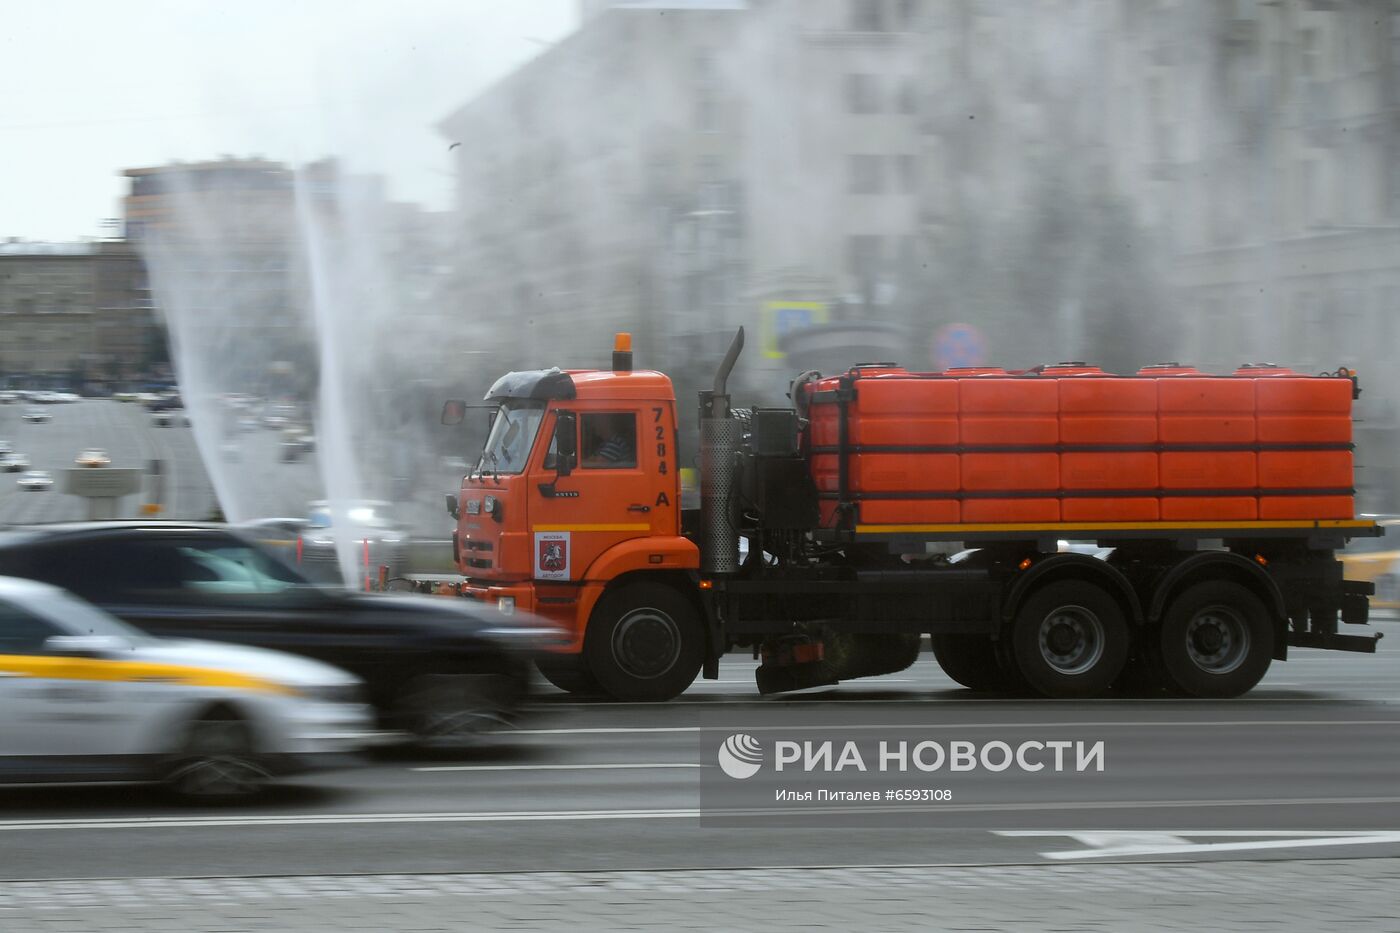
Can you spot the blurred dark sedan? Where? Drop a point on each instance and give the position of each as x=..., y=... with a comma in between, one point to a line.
x=441, y=669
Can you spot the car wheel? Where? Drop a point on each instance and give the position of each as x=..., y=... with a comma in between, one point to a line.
x=1070, y=640
x=217, y=760
x=1216, y=642
x=453, y=710
x=569, y=674
x=644, y=643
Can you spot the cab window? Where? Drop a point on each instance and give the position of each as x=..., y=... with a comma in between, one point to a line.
x=22, y=632
x=608, y=441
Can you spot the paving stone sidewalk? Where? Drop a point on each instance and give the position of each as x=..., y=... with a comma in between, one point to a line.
x=1336, y=894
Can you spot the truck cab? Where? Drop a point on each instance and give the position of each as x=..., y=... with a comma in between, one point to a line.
x=577, y=486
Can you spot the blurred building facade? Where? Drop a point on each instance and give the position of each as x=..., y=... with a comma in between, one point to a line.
x=1123, y=181
x=75, y=314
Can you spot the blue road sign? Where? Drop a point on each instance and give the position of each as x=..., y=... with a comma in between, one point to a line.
x=957, y=345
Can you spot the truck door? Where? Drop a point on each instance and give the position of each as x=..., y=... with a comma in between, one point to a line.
x=608, y=497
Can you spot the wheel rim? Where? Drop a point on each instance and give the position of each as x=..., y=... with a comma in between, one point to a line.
x=218, y=761
x=1071, y=640
x=458, y=709
x=1217, y=639
x=646, y=643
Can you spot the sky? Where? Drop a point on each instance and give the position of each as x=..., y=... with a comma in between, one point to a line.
x=91, y=87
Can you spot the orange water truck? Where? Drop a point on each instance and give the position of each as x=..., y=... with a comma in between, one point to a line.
x=1059, y=531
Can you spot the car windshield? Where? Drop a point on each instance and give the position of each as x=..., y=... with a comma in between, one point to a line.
x=512, y=436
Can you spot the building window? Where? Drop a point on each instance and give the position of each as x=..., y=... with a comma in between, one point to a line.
x=866, y=175
x=863, y=256
x=905, y=97
x=706, y=112
x=906, y=172
x=862, y=93
x=867, y=15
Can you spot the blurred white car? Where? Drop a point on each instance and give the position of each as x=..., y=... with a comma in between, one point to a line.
x=35, y=481
x=14, y=462
x=89, y=698
x=36, y=416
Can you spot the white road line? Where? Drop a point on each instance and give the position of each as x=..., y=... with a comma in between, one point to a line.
x=610, y=766
x=779, y=702
x=1102, y=843
x=1139, y=724
x=515, y=816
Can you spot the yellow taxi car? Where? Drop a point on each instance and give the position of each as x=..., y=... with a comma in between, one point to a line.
x=1377, y=560
x=86, y=697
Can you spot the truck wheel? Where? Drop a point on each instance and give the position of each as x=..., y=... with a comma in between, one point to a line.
x=644, y=642
x=971, y=660
x=568, y=674
x=1070, y=640
x=1217, y=641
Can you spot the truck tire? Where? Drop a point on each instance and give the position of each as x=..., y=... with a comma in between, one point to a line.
x=1070, y=640
x=568, y=673
x=971, y=660
x=644, y=643
x=1217, y=641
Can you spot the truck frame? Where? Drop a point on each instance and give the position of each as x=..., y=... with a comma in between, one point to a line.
x=654, y=593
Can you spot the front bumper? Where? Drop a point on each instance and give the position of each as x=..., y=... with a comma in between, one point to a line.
x=544, y=632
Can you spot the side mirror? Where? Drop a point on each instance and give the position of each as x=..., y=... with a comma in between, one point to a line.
x=452, y=505
x=565, y=441
x=453, y=411
x=85, y=646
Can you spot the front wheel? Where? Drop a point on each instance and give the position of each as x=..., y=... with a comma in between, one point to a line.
x=971, y=660
x=455, y=710
x=1070, y=640
x=217, y=760
x=1216, y=642
x=569, y=674
x=644, y=643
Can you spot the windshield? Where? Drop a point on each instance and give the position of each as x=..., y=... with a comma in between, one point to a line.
x=512, y=436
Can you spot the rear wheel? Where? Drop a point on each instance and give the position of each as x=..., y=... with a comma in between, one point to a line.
x=1217, y=641
x=644, y=642
x=217, y=760
x=971, y=660
x=1070, y=640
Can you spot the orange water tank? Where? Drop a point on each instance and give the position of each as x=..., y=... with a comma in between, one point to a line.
x=1017, y=415
x=1099, y=414
x=1207, y=430
x=1305, y=433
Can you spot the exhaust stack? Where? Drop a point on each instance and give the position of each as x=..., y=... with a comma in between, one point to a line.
x=720, y=435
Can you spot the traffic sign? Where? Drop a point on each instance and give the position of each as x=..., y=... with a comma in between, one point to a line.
x=958, y=345
x=781, y=318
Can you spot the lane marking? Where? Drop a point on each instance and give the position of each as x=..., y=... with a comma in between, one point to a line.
x=609, y=766
x=515, y=816
x=1185, y=723
x=1112, y=844
x=782, y=702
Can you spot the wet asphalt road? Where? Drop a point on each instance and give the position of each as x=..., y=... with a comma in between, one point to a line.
x=1304, y=767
